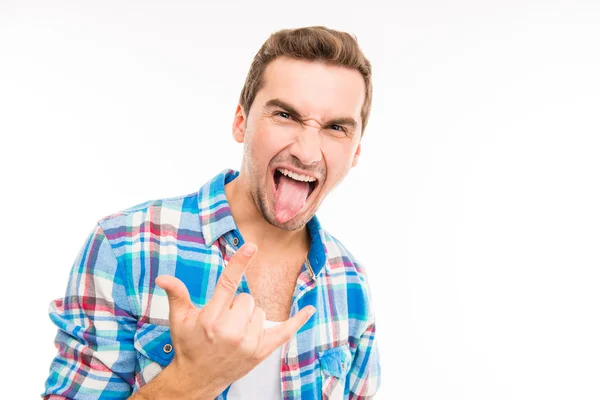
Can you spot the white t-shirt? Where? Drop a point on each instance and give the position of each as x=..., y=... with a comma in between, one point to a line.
x=263, y=382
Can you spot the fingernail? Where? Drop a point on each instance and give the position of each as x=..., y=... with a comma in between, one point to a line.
x=249, y=249
x=311, y=310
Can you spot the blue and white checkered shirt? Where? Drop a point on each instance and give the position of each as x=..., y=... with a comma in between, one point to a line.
x=113, y=334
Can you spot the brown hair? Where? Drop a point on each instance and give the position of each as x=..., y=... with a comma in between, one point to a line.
x=315, y=43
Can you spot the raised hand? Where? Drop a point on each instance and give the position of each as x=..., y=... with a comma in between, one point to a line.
x=223, y=341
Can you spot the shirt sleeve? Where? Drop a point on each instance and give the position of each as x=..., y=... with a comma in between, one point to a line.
x=96, y=357
x=365, y=373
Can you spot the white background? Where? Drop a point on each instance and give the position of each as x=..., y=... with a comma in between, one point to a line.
x=474, y=206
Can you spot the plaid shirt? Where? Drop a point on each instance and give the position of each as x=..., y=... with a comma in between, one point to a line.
x=113, y=335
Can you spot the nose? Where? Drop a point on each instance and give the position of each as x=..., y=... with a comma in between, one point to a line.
x=307, y=146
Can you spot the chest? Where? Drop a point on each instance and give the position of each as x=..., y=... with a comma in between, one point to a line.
x=272, y=284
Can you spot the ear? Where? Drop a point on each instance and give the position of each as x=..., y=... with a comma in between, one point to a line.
x=238, y=128
x=355, y=161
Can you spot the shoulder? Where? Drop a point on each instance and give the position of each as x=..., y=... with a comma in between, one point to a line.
x=340, y=258
x=159, y=216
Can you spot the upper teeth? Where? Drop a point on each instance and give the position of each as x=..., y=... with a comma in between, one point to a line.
x=298, y=177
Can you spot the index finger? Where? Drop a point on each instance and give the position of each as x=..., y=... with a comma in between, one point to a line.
x=230, y=279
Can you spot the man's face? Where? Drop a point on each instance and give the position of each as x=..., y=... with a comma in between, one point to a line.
x=306, y=120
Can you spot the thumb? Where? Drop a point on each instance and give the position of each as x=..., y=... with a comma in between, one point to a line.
x=178, y=295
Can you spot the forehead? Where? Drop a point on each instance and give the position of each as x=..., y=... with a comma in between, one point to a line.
x=317, y=89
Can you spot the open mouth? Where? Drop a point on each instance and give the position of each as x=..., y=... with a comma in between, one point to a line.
x=292, y=193
x=277, y=178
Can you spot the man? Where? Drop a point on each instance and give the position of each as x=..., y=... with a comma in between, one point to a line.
x=236, y=292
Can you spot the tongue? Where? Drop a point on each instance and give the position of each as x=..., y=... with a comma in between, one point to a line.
x=289, y=198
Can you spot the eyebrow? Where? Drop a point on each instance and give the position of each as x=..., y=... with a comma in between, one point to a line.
x=288, y=108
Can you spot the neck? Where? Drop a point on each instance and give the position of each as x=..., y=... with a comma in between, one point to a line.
x=254, y=227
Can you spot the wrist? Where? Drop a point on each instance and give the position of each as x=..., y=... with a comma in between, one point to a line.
x=188, y=383
x=175, y=382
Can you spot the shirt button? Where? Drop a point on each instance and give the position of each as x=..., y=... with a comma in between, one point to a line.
x=236, y=241
x=167, y=348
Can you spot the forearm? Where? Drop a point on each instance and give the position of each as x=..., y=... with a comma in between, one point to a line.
x=173, y=384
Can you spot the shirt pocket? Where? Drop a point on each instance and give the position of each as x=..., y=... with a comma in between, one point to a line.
x=154, y=349
x=335, y=364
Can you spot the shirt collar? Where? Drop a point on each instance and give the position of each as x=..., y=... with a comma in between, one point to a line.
x=216, y=219
x=213, y=208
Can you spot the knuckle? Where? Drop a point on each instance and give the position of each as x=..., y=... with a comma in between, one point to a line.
x=245, y=295
x=207, y=320
x=211, y=336
x=234, y=339
x=259, y=311
x=245, y=298
x=227, y=283
x=248, y=347
x=230, y=336
x=211, y=331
